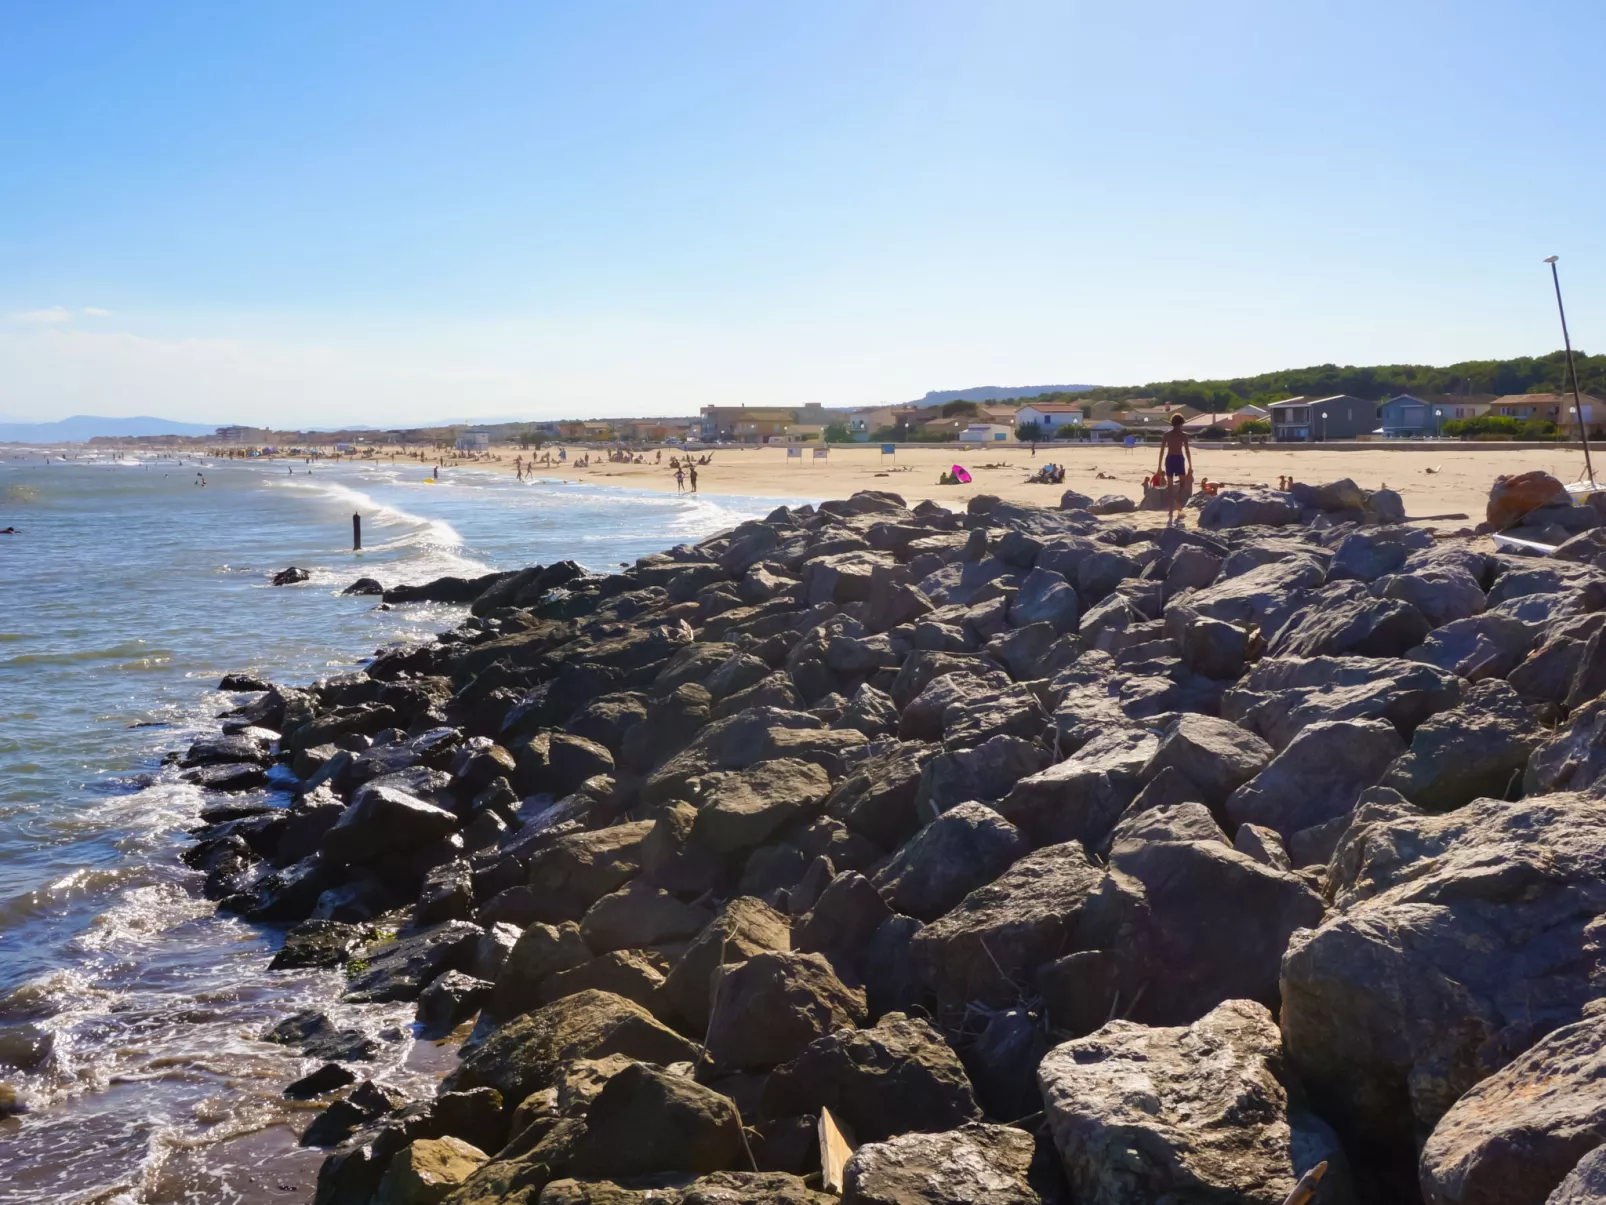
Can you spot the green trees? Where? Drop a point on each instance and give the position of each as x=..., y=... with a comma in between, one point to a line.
x=1500, y=427
x=1524, y=374
x=1029, y=433
x=837, y=433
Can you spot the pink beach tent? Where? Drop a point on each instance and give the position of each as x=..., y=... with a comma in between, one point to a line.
x=963, y=477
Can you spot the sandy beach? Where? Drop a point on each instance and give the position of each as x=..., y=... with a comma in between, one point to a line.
x=1458, y=484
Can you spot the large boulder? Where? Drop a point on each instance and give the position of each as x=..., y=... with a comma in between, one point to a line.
x=962, y=849
x=1585, y=1184
x=1489, y=645
x=524, y=1055
x=541, y=951
x=400, y=969
x=1187, y=1114
x=639, y=915
x=1512, y=497
x=1347, y=619
x=1080, y=798
x=1215, y=755
x=382, y=823
x=1280, y=696
x=898, y=1076
x=768, y=1009
x=1318, y=777
x=647, y=1120
x=740, y=810
x=1455, y=943
x=877, y=798
x=977, y=1164
x=745, y=927
x=988, y=948
x=577, y=869
x=1183, y=925
x=1574, y=759
x=1478, y=749
x=986, y=772
x=426, y=1171
x=1514, y=1137
x=1247, y=508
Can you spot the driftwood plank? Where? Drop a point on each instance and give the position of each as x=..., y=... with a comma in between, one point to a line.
x=836, y=1146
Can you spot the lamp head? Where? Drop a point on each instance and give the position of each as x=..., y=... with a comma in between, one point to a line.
x=1550, y=259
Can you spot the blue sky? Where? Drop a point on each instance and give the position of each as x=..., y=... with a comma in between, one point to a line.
x=392, y=212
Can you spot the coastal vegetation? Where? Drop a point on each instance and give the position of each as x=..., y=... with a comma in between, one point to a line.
x=1521, y=374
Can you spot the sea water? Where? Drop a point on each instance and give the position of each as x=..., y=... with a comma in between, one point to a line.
x=130, y=1012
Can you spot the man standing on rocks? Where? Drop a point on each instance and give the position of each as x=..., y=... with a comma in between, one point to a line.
x=1176, y=462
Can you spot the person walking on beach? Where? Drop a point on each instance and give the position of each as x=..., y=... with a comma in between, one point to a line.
x=680, y=480
x=694, y=479
x=1176, y=462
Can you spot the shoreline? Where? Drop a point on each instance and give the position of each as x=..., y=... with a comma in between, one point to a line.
x=704, y=823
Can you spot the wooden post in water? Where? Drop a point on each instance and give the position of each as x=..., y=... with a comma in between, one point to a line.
x=356, y=532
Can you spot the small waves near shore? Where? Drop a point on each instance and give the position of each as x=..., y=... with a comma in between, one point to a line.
x=130, y=1011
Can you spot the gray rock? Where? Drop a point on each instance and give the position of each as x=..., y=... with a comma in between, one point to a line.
x=1490, y=645
x=898, y=1076
x=1371, y=553
x=1318, y=777
x=449, y=999
x=525, y=1055
x=399, y=969
x=1196, y=1113
x=1168, y=822
x=1247, y=508
x=870, y=711
x=639, y=915
x=744, y=928
x=1216, y=755
x=1514, y=1137
x=768, y=1009
x=317, y=943
x=1188, y=924
x=978, y=1164
x=989, y=947
x=1345, y=619
x=633, y=974
x=986, y=772
x=1585, y=1184
x=540, y=951
x=575, y=870
x=741, y=810
x=384, y=822
x=317, y=1037
x=1214, y=648
x=1249, y=599
x=1443, y=594
x=967, y=846
x=1264, y=845
x=1046, y=597
x=1456, y=941
x=1280, y=696
x=877, y=798
x=1079, y=799
x=647, y=1120
x=1573, y=760
x=1478, y=749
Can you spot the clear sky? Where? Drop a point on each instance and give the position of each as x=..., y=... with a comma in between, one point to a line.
x=325, y=212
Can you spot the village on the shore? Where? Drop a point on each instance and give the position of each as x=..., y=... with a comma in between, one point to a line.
x=963, y=422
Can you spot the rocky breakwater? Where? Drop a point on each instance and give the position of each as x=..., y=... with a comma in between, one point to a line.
x=1052, y=858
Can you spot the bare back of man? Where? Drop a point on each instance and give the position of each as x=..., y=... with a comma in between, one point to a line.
x=1176, y=461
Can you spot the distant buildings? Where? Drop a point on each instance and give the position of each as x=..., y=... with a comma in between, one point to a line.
x=1317, y=420
x=1049, y=416
x=1554, y=407
x=474, y=441
x=243, y=435
x=988, y=433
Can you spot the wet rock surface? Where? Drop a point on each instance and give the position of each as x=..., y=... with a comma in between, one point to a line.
x=1057, y=856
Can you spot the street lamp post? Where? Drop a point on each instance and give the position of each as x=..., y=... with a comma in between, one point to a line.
x=1572, y=369
x=1438, y=423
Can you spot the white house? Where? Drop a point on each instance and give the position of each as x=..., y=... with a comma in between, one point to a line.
x=1049, y=416
x=474, y=441
x=987, y=433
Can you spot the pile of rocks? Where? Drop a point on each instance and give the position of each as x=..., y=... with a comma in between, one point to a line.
x=1057, y=859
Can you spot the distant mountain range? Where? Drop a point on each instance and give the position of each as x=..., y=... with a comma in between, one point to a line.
x=81, y=428
x=994, y=393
